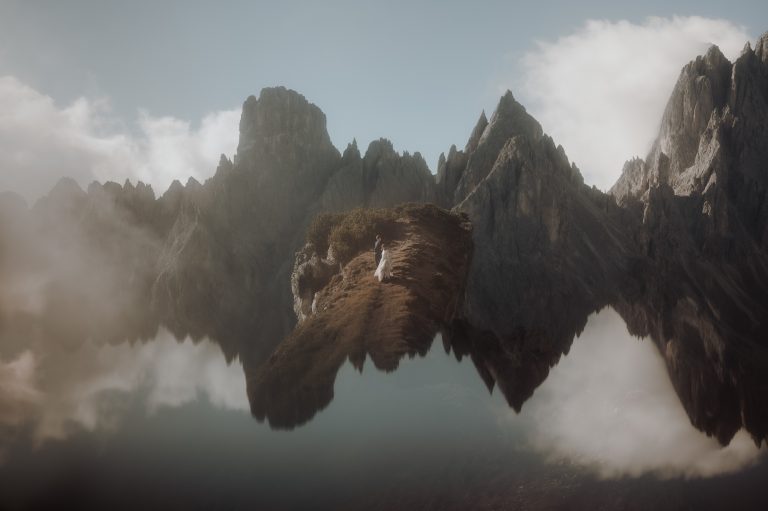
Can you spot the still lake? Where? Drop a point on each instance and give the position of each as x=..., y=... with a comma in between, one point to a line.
x=167, y=424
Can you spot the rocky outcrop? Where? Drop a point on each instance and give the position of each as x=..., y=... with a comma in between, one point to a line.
x=355, y=317
x=311, y=273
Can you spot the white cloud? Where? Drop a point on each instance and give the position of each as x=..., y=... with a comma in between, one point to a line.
x=610, y=405
x=41, y=142
x=17, y=392
x=600, y=92
x=59, y=391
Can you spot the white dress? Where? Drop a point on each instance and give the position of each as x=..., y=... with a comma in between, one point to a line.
x=384, y=270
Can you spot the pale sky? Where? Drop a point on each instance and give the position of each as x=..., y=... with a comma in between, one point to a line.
x=152, y=90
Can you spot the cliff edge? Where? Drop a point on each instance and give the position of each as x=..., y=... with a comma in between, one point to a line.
x=353, y=315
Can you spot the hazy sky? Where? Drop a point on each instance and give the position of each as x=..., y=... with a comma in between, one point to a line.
x=152, y=90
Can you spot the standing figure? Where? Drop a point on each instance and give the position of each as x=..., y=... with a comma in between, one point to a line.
x=384, y=269
x=377, y=250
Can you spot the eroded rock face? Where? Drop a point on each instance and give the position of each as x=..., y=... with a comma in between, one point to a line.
x=311, y=273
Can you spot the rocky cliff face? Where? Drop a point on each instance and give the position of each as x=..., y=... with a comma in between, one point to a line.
x=710, y=132
x=700, y=198
x=355, y=317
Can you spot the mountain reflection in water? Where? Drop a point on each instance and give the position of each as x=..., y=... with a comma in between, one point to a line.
x=109, y=413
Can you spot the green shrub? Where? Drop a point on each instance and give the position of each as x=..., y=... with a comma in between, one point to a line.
x=356, y=232
x=352, y=232
x=320, y=230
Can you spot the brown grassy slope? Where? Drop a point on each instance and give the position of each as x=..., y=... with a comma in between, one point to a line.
x=357, y=316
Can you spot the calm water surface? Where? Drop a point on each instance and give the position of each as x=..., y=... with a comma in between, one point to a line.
x=167, y=424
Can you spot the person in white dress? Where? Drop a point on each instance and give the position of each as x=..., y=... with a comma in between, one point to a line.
x=384, y=270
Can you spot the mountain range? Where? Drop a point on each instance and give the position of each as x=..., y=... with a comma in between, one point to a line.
x=678, y=246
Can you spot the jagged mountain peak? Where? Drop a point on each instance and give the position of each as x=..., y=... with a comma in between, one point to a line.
x=477, y=132
x=66, y=186
x=352, y=152
x=280, y=120
x=702, y=91
x=507, y=98
x=65, y=194
x=176, y=186
x=508, y=107
x=714, y=108
x=510, y=119
x=714, y=56
x=761, y=48
x=193, y=183
x=378, y=149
